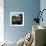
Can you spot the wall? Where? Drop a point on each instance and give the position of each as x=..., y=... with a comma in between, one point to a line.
x=1, y=21
x=43, y=6
x=29, y=7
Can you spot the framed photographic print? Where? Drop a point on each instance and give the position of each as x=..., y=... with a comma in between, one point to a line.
x=16, y=18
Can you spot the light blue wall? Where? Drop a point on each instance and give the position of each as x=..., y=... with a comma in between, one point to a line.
x=29, y=7
x=43, y=6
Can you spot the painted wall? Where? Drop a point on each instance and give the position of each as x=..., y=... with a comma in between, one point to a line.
x=43, y=6
x=1, y=21
x=29, y=7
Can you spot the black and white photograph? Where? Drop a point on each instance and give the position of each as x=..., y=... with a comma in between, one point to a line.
x=17, y=18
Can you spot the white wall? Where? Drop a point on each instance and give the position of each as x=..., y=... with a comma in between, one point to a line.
x=1, y=21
